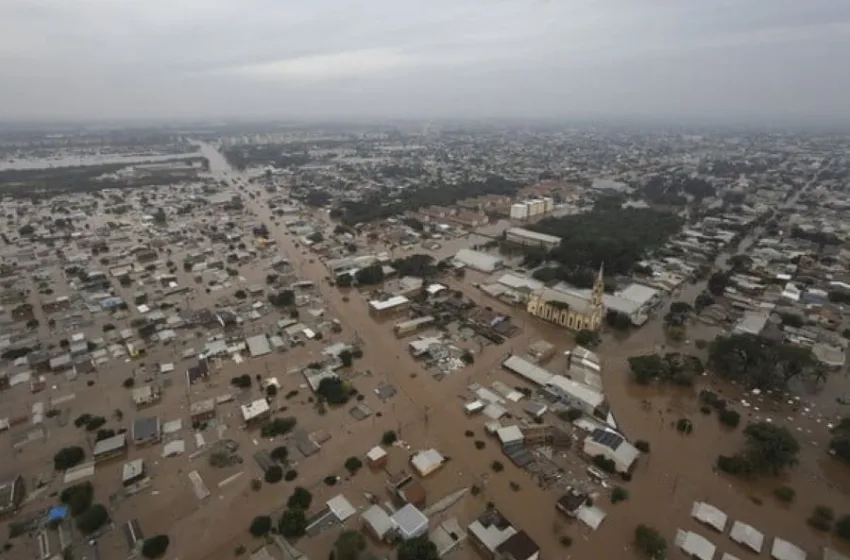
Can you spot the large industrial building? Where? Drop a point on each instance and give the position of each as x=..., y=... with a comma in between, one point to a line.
x=528, y=238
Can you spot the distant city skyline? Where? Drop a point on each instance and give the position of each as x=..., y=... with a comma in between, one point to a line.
x=768, y=61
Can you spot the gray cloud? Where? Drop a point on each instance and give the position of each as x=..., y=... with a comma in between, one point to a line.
x=478, y=58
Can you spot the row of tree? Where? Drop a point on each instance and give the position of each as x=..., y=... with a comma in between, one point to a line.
x=762, y=363
x=615, y=237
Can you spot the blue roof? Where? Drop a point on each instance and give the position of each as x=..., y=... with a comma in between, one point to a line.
x=57, y=513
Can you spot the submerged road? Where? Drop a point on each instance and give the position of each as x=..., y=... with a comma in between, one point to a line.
x=532, y=509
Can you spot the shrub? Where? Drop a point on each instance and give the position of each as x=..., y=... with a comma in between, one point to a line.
x=293, y=523
x=68, y=457
x=301, y=498
x=469, y=433
x=330, y=480
x=479, y=444
x=822, y=518
x=256, y=484
x=260, y=526
x=574, y=414
x=729, y=417
x=129, y=383
x=705, y=409
x=785, y=493
x=650, y=542
x=92, y=519
x=279, y=453
x=474, y=489
x=842, y=527
x=642, y=446
x=240, y=294
x=619, y=494
x=82, y=420
x=94, y=423
x=241, y=381
x=497, y=466
x=735, y=464
x=353, y=464
x=278, y=427
x=290, y=475
x=78, y=497
x=389, y=438
x=684, y=426
x=156, y=546
x=273, y=475
x=566, y=541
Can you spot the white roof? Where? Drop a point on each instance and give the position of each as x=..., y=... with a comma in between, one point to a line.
x=535, y=235
x=258, y=345
x=727, y=556
x=638, y=293
x=709, y=515
x=378, y=520
x=527, y=370
x=427, y=461
x=389, y=303
x=376, y=453
x=478, y=260
x=784, y=550
x=578, y=390
x=695, y=545
x=747, y=535
x=591, y=516
x=132, y=469
x=341, y=507
x=107, y=445
x=410, y=521
x=510, y=434
x=254, y=409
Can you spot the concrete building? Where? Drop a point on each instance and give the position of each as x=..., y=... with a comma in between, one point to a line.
x=613, y=446
x=496, y=539
x=255, y=412
x=477, y=260
x=528, y=238
x=146, y=431
x=11, y=495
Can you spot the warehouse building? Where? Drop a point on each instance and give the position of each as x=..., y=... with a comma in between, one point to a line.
x=528, y=238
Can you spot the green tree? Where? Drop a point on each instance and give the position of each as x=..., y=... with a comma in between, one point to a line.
x=273, y=474
x=839, y=444
x=587, y=338
x=301, y=498
x=293, y=523
x=344, y=280
x=617, y=320
x=260, y=526
x=389, y=437
x=68, y=457
x=770, y=448
x=347, y=358
x=420, y=548
x=370, y=276
x=78, y=497
x=280, y=453
x=353, y=464
x=349, y=545
x=156, y=546
x=92, y=519
x=842, y=527
x=650, y=542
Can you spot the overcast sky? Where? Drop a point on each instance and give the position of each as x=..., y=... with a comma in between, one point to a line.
x=715, y=59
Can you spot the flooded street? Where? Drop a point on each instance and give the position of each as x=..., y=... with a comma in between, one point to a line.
x=678, y=471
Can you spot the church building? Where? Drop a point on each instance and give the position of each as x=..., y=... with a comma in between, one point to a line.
x=569, y=310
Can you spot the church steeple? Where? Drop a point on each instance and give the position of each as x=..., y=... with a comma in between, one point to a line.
x=598, y=288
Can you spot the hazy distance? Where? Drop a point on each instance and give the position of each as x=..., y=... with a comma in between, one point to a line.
x=724, y=60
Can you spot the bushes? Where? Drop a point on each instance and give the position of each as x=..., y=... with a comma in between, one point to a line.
x=729, y=417
x=353, y=464
x=68, y=457
x=650, y=542
x=241, y=381
x=273, y=474
x=301, y=498
x=842, y=527
x=571, y=415
x=821, y=518
x=92, y=519
x=479, y=444
x=497, y=466
x=280, y=453
x=129, y=383
x=619, y=494
x=330, y=480
x=642, y=446
x=278, y=427
x=334, y=391
x=785, y=493
x=290, y=475
x=260, y=526
x=347, y=358
x=293, y=523
x=78, y=497
x=95, y=422
x=155, y=546
x=389, y=438
x=735, y=464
